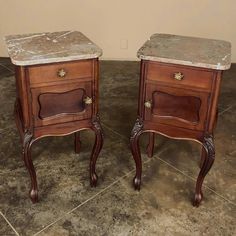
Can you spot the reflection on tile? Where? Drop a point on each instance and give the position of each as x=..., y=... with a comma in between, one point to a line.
x=5, y=72
x=6, y=62
x=118, y=96
x=228, y=89
x=188, y=156
x=62, y=177
x=7, y=99
x=122, y=120
x=185, y=156
x=162, y=207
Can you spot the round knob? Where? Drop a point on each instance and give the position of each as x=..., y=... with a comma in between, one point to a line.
x=148, y=104
x=178, y=76
x=61, y=73
x=88, y=100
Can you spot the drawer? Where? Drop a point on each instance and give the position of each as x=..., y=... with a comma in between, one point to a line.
x=179, y=76
x=60, y=72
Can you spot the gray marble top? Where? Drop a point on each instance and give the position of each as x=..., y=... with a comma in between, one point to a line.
x=191, y=51
x=42, y=48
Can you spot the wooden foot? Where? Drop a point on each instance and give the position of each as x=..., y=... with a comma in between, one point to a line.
x=134, y=144
x=93, y=179
x=77, y=142
x=96, y=127
x=150, y=145
x=208, y=144
x=137, y=182
x=27, y=142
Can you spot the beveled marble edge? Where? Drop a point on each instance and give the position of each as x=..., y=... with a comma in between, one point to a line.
x=53, y=60
x=48, y=60
x=223, y=63
x=186, y=63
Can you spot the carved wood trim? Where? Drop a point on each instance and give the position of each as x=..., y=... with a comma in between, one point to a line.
x=138, y=126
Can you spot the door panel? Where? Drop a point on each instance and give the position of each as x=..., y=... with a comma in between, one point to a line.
x=183, y=107
x=177, y=107
x=56, y=104
x=53, y=104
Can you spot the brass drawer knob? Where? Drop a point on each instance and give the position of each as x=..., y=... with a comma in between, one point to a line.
x=178, y=76
x=61, y=73
x=88, y=100
x=148, y=104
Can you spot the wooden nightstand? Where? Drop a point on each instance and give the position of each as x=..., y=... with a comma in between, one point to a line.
x=57, y=91
x=179, y=89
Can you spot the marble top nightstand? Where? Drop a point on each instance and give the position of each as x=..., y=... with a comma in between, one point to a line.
x=42, y=48
x=57, y=91
x=178, y=95
x=190, y=51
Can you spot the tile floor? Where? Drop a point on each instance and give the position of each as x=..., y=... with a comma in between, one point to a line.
x=68, y=206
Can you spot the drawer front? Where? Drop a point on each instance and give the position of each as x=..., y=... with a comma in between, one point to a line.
x=179, y=76
x=59, y=104
x=176, y=107
x=60, y=72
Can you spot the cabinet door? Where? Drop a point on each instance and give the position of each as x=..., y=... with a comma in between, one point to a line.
x=177, y=107
x=59, y=104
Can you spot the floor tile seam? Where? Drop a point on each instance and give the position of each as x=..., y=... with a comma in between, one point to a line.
x=123, y=137
x=94, y=196
x=89, y=199
x=194, y=179
x=9, y=223
x=4, y=66
x=83, y=203
x=115, y=132
x=4, y=130
x=226, y=109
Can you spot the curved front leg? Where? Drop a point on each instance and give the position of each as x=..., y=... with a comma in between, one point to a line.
x=27, y=142
x=150, y=145
x=134, y=144
x=77, y=142
x=209, y=158
x=203, y=157
x=96, y=127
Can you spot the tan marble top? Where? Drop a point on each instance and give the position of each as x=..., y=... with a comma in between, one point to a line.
x=199, y=52
x=42, y=48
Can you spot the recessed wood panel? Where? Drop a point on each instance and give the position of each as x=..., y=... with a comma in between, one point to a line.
x=182, y=107
x=60, y=104
x=53, y=104
x=176, y=107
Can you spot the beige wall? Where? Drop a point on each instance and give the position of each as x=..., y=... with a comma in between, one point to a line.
x=108, y=22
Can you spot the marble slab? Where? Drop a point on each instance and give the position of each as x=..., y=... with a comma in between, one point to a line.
x=42, y=48
x=190, y=51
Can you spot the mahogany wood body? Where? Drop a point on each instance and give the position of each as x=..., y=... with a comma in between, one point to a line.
x=180, y=109
x=50, y=105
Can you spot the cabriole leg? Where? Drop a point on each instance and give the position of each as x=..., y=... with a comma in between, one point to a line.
x=208, y=144
x=134, y=144
x=203, y=157
x=150, y=145
x=96, y=127
x=28, y=141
